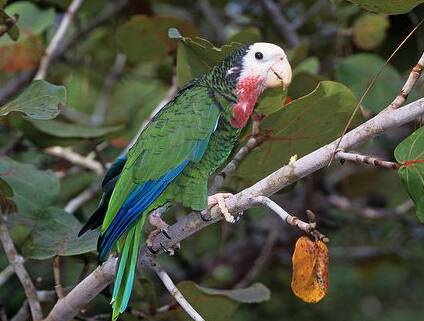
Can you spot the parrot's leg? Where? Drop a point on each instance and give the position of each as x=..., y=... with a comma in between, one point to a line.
x=156, y=220
x=219, y=199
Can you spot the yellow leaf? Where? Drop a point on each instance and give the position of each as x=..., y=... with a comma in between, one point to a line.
x=310, y=270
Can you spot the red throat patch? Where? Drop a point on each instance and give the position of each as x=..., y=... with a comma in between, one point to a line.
x=248, y=90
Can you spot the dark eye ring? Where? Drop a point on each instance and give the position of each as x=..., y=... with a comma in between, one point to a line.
x=259, y=55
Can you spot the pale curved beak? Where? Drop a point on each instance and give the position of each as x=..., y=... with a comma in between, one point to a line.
x=280, y=74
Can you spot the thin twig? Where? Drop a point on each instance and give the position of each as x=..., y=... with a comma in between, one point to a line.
x=74, y=204
x=214, y=20
x=409, y=84
x=363, y=159
x=346, y=204
x=309, y=228
x=57, y=277
x=261, y=259
x=311, y=12
x=284, y=28
x=171, y=287
x=67, y=153
x=6, y=274
x=23, y=276
x=57, y=39
x=103, y=100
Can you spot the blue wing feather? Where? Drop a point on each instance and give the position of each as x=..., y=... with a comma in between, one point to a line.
x=138, y=201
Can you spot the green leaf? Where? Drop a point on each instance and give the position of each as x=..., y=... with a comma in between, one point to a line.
x=32, y=20
x=388, y=6
x=51, y=230
x=247, y=36
x=300, y=127
x=5, y=189
x=145, y=38
x=255, y=293
x=41, y=100
x=218, y=305
x=410, y=153
x=61, y=129
x=370, y=30
x=358, y=70
x=195, y=56
x=56, y=233
x=271, y=101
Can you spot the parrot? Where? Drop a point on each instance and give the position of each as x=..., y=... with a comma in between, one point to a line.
x=178, y=151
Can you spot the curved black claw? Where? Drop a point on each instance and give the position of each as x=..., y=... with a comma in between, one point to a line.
x=168, y=252
x=165, y=232
x=152, y=250
x=204, y=218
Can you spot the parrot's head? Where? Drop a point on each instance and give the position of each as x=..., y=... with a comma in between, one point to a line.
x=259, y=66
x=268, y=63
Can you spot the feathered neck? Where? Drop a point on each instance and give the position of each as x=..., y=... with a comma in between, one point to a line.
x=248, y=90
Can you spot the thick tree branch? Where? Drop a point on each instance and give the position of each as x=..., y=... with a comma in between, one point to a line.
x=57, y=39
x=17, y=262
x=289, y=174
x=68, y=307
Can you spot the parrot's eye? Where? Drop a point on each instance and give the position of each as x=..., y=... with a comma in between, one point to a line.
x=259, y=55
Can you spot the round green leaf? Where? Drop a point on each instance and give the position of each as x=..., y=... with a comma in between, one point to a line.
x=41, y=100
x=410, y=153
x=388, y=6
x=300, y=127
x=52, y=231
x=56, y=233
x=357, y=71
x=369, y=30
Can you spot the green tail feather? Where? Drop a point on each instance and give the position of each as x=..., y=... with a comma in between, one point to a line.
x=126, y=271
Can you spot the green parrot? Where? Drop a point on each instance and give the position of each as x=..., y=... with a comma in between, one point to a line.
x=178, y=151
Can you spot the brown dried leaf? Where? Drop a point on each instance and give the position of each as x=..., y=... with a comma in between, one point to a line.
x=310, y=270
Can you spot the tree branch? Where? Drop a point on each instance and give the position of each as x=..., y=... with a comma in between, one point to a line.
x=363, y=159
x=17, y=262
x=409, y=84
x=67, y=153
x=57, y=277
x=68, y=307
x=57, y=39
x=5, y=275
x=289, y=174
x=284, y=28
x=171, y=287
